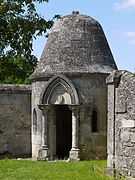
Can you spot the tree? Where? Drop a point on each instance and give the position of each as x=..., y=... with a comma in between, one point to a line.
x=19, y=25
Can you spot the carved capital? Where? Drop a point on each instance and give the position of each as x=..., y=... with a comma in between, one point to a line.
x=74, y=108
x=45, y=107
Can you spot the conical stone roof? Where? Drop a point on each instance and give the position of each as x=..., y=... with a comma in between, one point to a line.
x=76, y=45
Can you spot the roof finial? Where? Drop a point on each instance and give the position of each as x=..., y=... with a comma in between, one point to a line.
x=75, y=12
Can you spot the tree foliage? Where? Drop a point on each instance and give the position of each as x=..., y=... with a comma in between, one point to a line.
x=19, y=25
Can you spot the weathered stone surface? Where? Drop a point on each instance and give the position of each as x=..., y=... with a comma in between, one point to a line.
x=15, y=120
x=128, y=123
x=121, y=161
x=76, y=46
x=132, y=136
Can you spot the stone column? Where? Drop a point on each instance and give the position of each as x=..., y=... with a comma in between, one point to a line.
x=52, y=131
x=112, y=82
x=74, y=153
x=44, y=151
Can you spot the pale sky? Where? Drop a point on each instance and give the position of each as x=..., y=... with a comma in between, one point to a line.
x=115, y=16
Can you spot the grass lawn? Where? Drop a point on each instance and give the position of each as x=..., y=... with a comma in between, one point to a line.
x=32, y=170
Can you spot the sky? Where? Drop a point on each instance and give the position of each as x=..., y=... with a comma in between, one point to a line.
x=115, y=16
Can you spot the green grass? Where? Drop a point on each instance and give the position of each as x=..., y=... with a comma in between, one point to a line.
x=32, y=170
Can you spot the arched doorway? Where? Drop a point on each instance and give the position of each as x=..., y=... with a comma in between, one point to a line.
x=59, y=103
x=63, y=131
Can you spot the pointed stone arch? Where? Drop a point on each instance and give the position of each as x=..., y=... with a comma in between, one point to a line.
x=59, y=90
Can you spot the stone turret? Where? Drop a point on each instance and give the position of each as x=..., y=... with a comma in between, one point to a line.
x=76, y=45
x=69, y=93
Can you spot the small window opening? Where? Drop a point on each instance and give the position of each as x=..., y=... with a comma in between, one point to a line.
x=94, y=121
x=34, y=120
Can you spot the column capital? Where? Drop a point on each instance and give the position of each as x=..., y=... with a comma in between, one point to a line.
x=74, y=108
x=45, y=107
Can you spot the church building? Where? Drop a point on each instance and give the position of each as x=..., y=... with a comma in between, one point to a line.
x=69, y=91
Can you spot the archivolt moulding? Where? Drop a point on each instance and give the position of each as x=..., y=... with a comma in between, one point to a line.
x=53, y=83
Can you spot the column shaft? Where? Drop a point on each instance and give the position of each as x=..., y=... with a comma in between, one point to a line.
x=74, y=153
x=45, y=130
x=43, y=153
x=74, y=130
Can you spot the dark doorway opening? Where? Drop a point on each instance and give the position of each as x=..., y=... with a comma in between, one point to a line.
x=63, y=131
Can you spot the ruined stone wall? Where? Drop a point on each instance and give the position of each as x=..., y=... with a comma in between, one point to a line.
x=15, y=121
x=121, y=124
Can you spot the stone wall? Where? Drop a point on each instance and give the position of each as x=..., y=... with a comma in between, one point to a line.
x=121, y=124
x=37, y=89
x=92, y=93
x=15, y=121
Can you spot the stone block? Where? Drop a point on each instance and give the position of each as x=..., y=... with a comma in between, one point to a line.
x=128, y=123
x=74, y=155
x=110, y=172
x=125, y=136
x=132, y=136
x=121, y=106
x=110, y=161
x=43, y=154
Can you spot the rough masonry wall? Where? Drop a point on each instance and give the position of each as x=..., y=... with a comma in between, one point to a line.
x=123, y=126
x=15, y=121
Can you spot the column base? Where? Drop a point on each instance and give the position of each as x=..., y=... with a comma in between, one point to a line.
x=43, y=155
x=74, y=155
x=111, y=172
